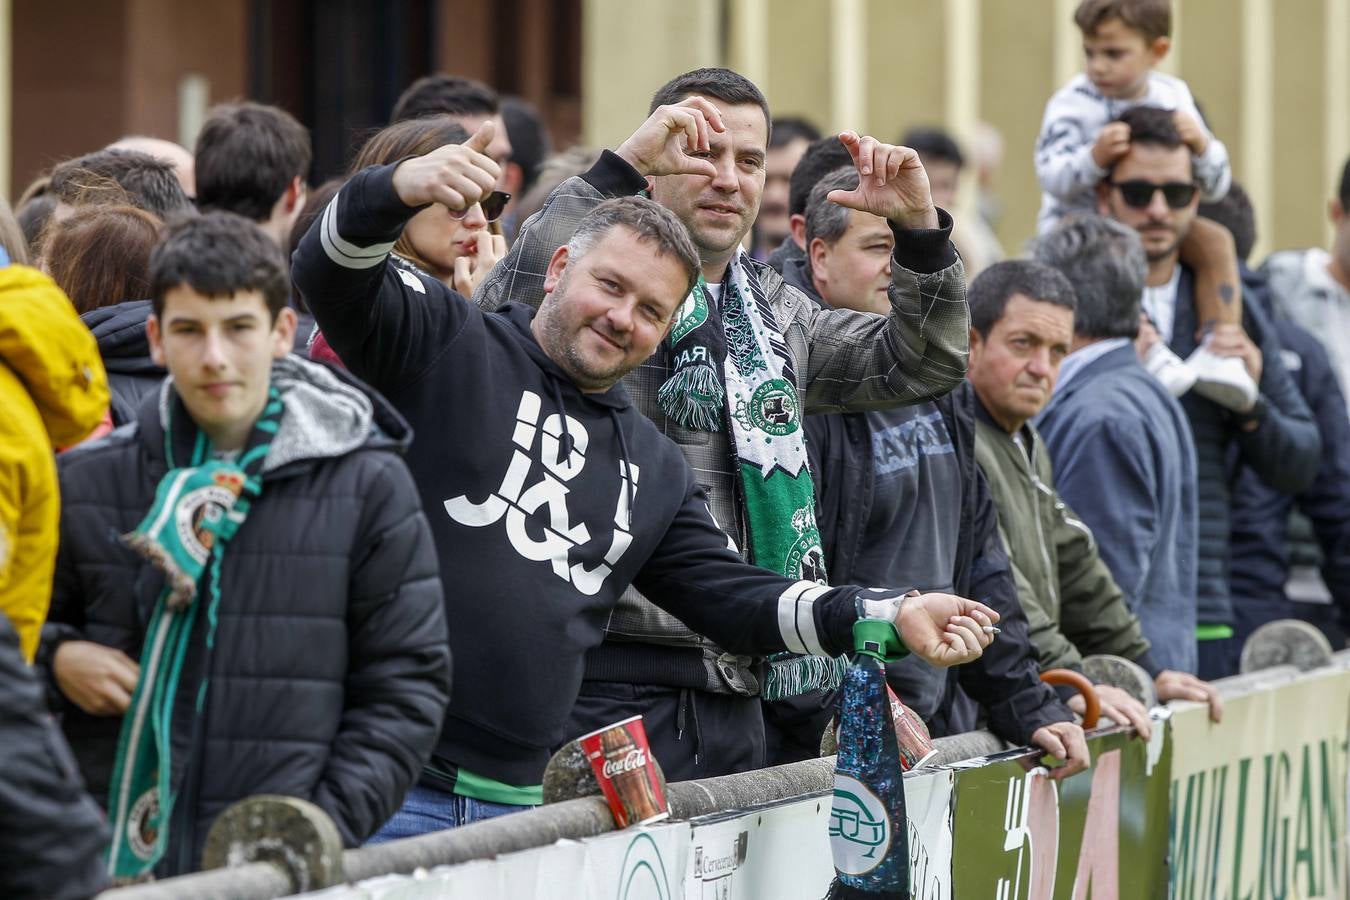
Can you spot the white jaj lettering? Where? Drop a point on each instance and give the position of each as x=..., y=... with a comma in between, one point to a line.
x=516, y=503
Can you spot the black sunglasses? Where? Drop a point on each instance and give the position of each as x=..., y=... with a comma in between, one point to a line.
x=494, y=204
x=1139, y=194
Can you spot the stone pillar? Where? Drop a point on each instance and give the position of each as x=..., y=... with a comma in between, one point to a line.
x=629, y=49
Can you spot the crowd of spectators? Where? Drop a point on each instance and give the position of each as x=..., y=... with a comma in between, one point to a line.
x=379, y=491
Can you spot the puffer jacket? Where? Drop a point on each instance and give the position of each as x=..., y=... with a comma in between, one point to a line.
x=843, y=361
x=1283, y=451
x=330, y=673
x=125, y=348
x=53, y=393
x=1073, y=605
x=1278, y=535
x=52, y=834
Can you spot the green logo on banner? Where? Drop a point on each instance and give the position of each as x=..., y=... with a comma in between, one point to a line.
x=643, y=876
x=860, y=832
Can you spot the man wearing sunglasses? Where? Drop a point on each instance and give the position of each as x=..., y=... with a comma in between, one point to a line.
x=1152, y=190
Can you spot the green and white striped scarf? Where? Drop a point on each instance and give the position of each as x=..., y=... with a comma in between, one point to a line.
x=197, y=509
x=735, y=369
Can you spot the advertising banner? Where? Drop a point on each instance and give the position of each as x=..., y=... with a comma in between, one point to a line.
x=1258, y=802
x=1102, y=834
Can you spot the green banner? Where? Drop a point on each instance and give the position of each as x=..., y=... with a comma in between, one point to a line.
x=1258, y=807
x=1018, y=835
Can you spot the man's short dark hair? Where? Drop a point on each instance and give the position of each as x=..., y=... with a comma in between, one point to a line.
x=719, y=84
x=218, y=254
x=650, y=221
x=1151, y=18
x=826, y=219
x=989, y=294
x=445, y=95
x=1343, y=192
x=145, y=182
x=934, y=144
x=1104, y=262
x=821, y=158
x=1235, y=213
x=787, y=129
x=530, y=144
x=247, y=154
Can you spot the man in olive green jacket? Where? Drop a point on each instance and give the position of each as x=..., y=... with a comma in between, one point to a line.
x=1021, y=329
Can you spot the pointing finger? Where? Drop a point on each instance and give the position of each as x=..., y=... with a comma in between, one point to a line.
x=850, y=141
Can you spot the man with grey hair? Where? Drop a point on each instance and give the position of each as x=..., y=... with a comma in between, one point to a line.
x=548, y=492
x=1120, y=443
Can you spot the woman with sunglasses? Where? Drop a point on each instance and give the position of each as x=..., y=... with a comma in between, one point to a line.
x=456, y=248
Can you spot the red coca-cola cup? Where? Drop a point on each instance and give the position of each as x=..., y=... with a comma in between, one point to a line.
x=623, y=765
x=916, y=746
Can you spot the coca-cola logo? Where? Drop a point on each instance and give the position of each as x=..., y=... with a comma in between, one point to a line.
x=634, y=759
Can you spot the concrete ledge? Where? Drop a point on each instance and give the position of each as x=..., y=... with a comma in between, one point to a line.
x=255, y=881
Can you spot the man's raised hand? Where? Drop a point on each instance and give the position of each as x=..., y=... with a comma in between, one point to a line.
x=666, y=142
x=945, y=630
x=457, y=175
x=892, y=183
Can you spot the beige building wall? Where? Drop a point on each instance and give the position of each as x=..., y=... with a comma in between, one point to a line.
x=1273, y=77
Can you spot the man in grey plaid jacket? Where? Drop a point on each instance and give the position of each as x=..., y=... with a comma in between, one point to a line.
x=701, y=154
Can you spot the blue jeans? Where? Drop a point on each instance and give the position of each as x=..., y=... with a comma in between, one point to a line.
x=427, y=809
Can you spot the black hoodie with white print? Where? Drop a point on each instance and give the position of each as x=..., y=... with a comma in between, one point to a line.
x=545, y=502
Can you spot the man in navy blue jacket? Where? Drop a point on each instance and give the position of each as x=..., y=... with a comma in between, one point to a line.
x=555, y=492
x=1291, y=552
x=1121, y=445
x=1276, y=436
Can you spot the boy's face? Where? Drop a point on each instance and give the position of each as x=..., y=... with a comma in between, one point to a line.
x=1119, y=58
x=220, y=352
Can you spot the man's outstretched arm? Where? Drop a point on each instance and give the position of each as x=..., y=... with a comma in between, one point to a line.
x=387, y=324
x=696, y=576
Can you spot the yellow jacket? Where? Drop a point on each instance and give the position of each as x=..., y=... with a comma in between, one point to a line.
x=53, y=393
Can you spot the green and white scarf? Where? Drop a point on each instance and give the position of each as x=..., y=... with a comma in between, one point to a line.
x=736, y=369
x=197, y=509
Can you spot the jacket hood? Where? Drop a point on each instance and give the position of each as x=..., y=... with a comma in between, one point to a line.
x=328, y=414
x=52, y=352
x=122, y=341
x=520, y=316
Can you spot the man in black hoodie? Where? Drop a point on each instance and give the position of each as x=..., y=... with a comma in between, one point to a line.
x=554, y=493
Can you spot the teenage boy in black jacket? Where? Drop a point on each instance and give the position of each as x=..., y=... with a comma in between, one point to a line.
x=549, y=492
x=280, y=592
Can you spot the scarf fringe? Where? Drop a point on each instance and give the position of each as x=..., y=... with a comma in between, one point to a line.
x=791, y=676
x=180, y=588
x=694, y=397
